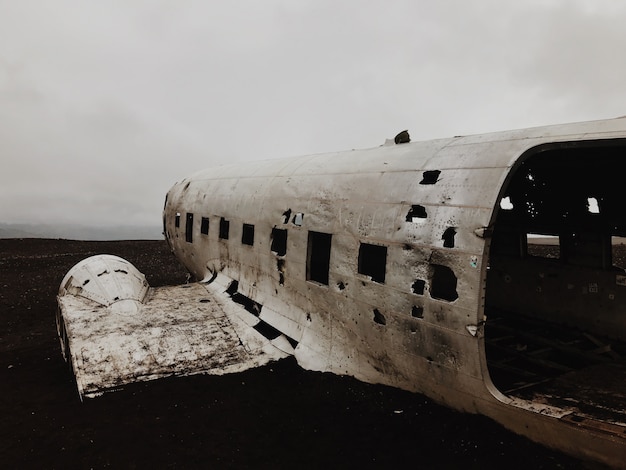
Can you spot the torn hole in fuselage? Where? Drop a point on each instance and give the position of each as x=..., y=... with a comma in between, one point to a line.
x=280, y=266
x=417, y=214
x=418, y=287
x=279, y=241
x=448, y=237
x=443, y=283
x=506, y=204
x=417, y=311
x=430, y=177
x=286, y=216
x=379, y=317
x=298, y=219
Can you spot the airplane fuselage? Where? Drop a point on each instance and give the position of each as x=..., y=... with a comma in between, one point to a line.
x=379, y=263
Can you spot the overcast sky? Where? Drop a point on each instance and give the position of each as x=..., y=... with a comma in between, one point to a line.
x=105, y=104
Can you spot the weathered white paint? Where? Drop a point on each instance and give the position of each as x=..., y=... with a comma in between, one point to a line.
x=178, y=330
x=401, y=332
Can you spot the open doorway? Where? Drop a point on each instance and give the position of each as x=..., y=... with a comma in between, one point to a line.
x=556, y=283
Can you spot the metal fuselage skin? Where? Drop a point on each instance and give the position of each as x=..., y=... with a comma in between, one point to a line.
x=374, y=262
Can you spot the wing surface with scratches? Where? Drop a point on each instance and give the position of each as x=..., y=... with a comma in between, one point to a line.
x=174, y=331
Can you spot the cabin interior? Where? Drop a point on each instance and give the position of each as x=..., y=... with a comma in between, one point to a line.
x=556, y=283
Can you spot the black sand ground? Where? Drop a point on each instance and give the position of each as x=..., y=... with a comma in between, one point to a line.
x=278, y=416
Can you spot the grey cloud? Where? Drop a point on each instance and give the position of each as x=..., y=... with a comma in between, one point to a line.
x=104, y=105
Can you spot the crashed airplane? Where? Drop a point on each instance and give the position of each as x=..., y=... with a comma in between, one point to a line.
x=484, y=272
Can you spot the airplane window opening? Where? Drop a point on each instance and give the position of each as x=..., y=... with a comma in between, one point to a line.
x=430, y=177
x=177, y=220
x=298, y=219
x=204, y=226
x=318, y=257
x=279, y=241
x=448, y=237
x=379, y=317
x=418, y=287
x=543, y=246
x=372, y=261
x=443, y=284
x=189, y=228
x=416, y=214
x=247, y=234
x=417, y=311
x=224, y=228
x=618, y=253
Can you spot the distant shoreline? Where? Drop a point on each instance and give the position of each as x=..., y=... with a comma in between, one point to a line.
x=80, y=232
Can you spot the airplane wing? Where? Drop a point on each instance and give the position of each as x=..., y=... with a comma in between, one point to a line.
x=115, y=329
